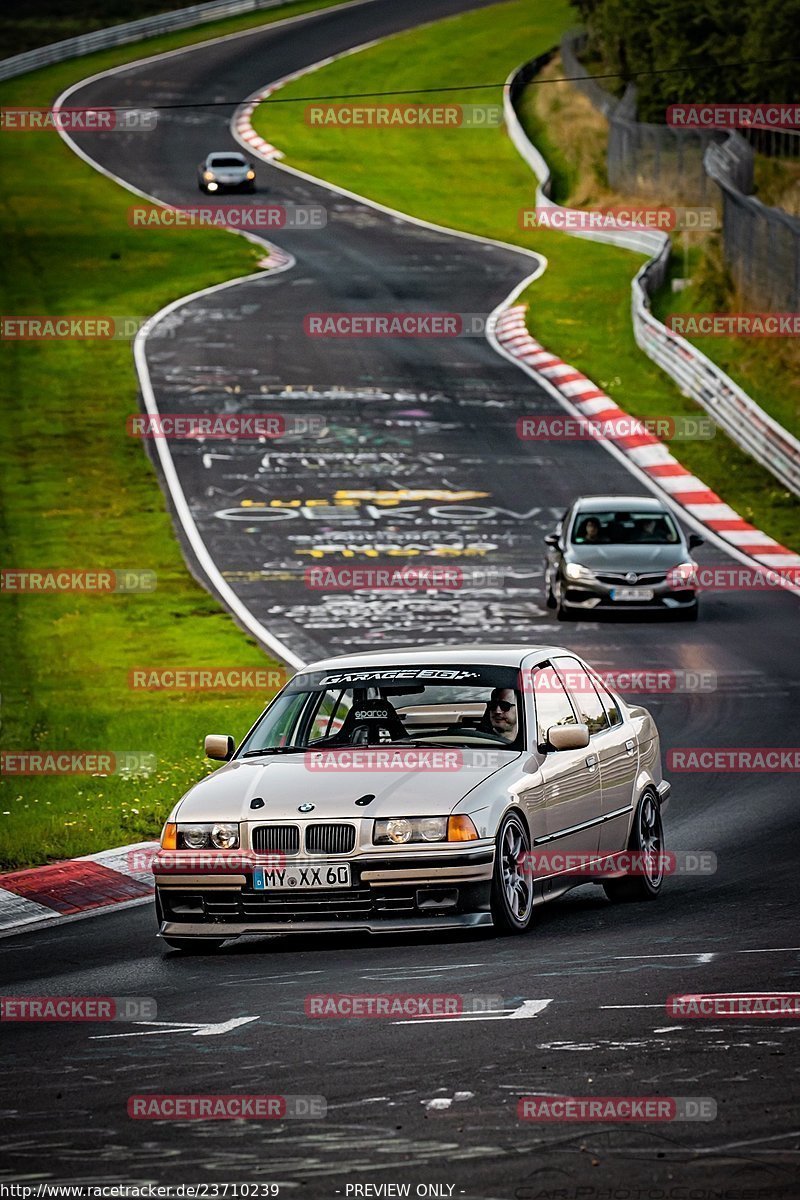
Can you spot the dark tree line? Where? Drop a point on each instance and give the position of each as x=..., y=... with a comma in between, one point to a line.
x=631, y=36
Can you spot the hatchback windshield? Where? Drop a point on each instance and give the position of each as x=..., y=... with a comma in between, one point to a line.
x=444, y=706
x=219, y=160
x=624, y=528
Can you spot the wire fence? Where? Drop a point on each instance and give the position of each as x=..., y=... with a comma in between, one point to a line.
x=705, y=167
x=644, y=159
x=761, y=244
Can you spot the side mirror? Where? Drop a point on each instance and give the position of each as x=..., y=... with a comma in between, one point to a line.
x=568, y=737
x=220, y=745
x=695, y=540
x=552, y=539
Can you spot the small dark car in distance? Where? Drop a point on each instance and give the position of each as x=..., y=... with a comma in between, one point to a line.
x=620, y=553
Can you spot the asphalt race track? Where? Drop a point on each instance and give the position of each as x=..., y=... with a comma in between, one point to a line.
x=426, y=1104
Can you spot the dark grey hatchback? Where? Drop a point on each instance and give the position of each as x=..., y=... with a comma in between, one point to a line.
x=620, y=554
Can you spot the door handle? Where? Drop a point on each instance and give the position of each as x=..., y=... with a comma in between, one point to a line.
x=630, y=746
x=591, y=762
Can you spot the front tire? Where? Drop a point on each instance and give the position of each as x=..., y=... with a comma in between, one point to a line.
x=549, y=594
x=647, y=843
x=512, y=882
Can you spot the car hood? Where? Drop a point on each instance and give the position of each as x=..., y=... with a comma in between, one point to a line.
x=286, y=783
x=628, y=558
x=229, y=174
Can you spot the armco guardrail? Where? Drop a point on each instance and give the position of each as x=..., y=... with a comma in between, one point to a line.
x=131, y=31
x=734, y=411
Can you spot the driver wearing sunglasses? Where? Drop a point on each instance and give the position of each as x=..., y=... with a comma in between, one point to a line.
x=502, y=713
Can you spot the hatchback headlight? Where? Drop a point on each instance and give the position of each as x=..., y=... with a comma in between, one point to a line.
x=217, y=836
x=576, y=571
x=208, y=175
x=251, y=174
x=683, y=574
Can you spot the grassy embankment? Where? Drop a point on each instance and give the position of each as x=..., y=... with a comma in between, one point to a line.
x=77, y=492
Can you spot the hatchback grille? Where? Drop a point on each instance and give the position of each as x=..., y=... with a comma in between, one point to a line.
x=330, y=839
x=642, y=578
x=282, y=839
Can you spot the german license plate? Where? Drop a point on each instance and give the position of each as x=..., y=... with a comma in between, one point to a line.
x=302, y=877
x=632, y=593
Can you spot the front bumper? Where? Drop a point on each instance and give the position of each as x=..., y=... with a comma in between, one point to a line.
x=386, y=896
x=596, y=597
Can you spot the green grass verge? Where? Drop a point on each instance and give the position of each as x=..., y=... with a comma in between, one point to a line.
x=77, y=492
x=767, y=368
x=473, y=179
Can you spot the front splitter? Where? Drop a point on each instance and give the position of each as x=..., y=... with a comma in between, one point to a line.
x=204, y=930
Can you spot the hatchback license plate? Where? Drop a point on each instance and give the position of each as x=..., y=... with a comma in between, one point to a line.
x=632, y=593
x=302, y=877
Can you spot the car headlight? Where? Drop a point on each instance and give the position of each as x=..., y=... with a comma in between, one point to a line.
x=397, y=831
x=216, y=836
x=208, y=175
x=251, y=174
x=576, y=571
x=684, y=573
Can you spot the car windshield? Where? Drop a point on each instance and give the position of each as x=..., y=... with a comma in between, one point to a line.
x=624, y=528
x=408, y=704
x=221, y=160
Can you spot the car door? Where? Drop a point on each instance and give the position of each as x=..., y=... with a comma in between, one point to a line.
x=612, y=742
x=571, y=778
